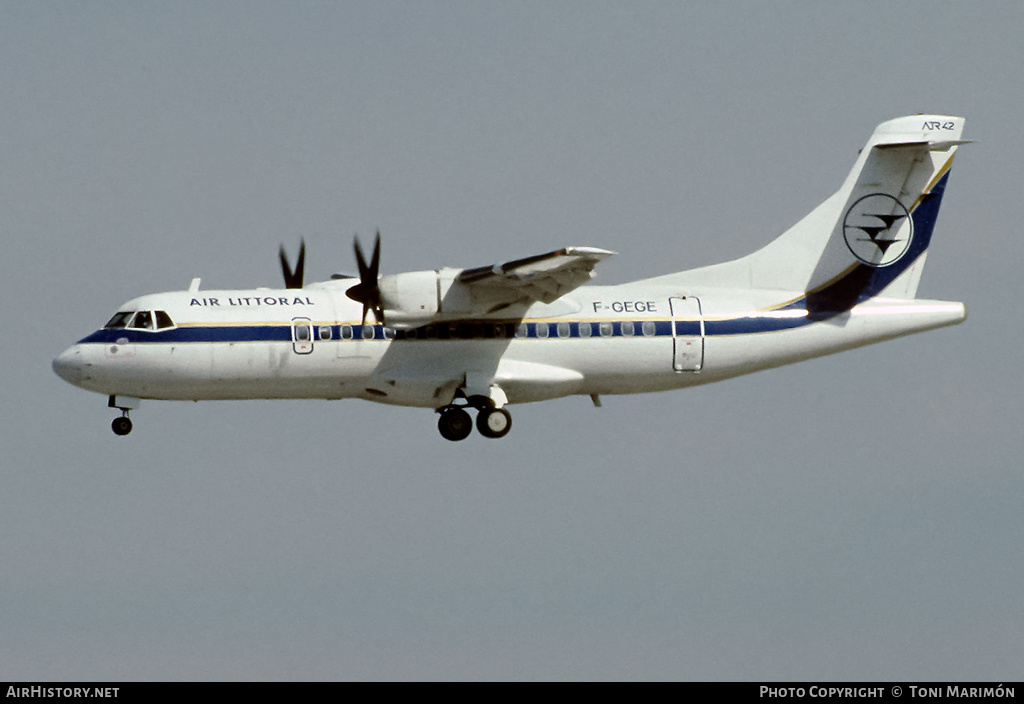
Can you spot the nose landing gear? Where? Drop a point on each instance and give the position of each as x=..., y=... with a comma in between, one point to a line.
x=122, y=425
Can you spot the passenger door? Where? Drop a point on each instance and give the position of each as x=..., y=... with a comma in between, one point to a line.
x=687, y=334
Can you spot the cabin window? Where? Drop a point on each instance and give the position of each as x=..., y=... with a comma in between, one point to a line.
x=302, y=333
x=325, y=332
x=563, y=330
x=389, y=333
x=143, y=320
x=606, y=329
x=542, y=329
x=120, y=319
x=586, y=330
x=627, y=328
x=523, y=330
x=163, y=320
x=367, y=332
x=649, y=328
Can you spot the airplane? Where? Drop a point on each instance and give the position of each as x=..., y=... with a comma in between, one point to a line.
x=528, y=330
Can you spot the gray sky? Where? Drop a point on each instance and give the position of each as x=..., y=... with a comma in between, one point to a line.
x=854, y=517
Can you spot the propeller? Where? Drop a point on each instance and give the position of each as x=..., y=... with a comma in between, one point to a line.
x=293, y=279
x=367, y=291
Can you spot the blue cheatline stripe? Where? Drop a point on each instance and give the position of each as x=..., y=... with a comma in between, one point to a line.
x=185, y=334
x=533, y=331
x=225, y=333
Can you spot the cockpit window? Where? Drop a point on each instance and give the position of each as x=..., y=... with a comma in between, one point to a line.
x=120, y=319
x=163, y=320
x=143, y=320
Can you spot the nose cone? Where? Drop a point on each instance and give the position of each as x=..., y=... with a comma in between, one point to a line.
x=69, y=365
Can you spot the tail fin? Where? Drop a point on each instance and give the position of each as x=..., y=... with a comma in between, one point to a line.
x=871, y=237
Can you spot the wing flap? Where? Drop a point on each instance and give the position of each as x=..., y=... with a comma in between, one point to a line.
x=542, y=277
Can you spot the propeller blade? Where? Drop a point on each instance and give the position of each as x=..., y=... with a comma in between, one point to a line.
x=367, y=291
x=375, y=262
x=293, y=279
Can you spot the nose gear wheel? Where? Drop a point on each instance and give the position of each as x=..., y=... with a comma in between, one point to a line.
x=122, y=425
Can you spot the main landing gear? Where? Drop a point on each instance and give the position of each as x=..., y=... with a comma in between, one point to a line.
x=455, y=423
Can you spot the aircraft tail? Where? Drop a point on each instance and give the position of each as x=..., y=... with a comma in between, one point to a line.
x=869, y=238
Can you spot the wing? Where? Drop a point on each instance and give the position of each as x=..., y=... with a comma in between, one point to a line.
x=416, y=298
x=544, y=277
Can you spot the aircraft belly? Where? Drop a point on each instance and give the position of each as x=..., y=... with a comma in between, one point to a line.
x=615, y=366
x=599, y=365
x=427, y=373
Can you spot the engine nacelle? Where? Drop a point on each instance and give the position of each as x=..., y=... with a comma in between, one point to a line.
x=416, y=298
x=409, y=298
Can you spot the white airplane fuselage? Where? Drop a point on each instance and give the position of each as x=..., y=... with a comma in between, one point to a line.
x=636, y=338
x=844, y=276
